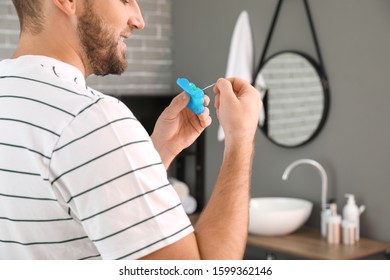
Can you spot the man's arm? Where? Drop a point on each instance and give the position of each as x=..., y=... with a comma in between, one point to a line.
x=221, y=230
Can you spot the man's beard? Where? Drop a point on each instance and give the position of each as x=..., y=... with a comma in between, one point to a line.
x=100, y=45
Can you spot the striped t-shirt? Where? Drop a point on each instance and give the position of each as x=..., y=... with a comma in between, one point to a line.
x=79, y=175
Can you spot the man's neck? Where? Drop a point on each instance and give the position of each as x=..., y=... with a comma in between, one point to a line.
x=54, y=47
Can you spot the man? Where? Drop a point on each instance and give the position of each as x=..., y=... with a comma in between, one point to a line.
x=79, y=176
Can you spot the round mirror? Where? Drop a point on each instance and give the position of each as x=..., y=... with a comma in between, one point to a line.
x=295, y=98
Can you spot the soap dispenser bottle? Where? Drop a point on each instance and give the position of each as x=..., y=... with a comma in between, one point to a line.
x=351, y=213
x=333, y=226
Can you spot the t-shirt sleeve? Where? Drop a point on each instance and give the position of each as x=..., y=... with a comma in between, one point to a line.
x=106, y=171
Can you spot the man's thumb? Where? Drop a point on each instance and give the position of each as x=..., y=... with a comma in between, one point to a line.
x=225, y=89
x=178, y=104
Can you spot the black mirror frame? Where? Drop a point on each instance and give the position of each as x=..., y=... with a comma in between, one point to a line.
x=319, y=67
x=325, y=86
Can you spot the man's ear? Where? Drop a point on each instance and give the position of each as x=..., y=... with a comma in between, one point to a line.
x=67, y=6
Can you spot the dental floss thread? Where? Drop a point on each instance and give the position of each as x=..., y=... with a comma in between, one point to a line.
x=209, y=86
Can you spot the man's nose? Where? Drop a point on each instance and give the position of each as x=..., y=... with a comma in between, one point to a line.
x=136, y=20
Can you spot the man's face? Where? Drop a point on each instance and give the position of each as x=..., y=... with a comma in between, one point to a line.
x=103, y=48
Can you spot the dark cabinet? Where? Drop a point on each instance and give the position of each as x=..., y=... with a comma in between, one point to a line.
x=189, y=164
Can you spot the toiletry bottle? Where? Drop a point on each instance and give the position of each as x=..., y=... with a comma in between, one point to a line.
x=333, y=226
x=348, y=232
x=351, y=214
x=325, y=214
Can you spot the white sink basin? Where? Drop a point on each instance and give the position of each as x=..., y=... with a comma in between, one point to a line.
x=277, y=215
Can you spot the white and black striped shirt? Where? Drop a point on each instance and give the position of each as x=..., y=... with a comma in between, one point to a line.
x=79, y=176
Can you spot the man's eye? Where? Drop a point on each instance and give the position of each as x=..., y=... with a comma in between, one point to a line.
x=125, y=1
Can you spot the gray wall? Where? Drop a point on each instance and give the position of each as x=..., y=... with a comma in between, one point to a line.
x=354, y=145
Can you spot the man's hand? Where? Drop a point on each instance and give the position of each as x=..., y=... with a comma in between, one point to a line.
x=238, y=106
x=178, y=127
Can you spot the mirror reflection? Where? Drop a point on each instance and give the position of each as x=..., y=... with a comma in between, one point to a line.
x=295, y=100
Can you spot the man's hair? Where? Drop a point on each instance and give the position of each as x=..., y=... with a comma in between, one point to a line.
x=30, y=15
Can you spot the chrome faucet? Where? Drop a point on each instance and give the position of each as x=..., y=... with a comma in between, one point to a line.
x=324, y=187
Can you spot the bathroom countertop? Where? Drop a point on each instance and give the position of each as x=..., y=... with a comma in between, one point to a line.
x=308, y=244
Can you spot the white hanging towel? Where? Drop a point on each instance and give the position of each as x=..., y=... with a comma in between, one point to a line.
x=240, y=61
